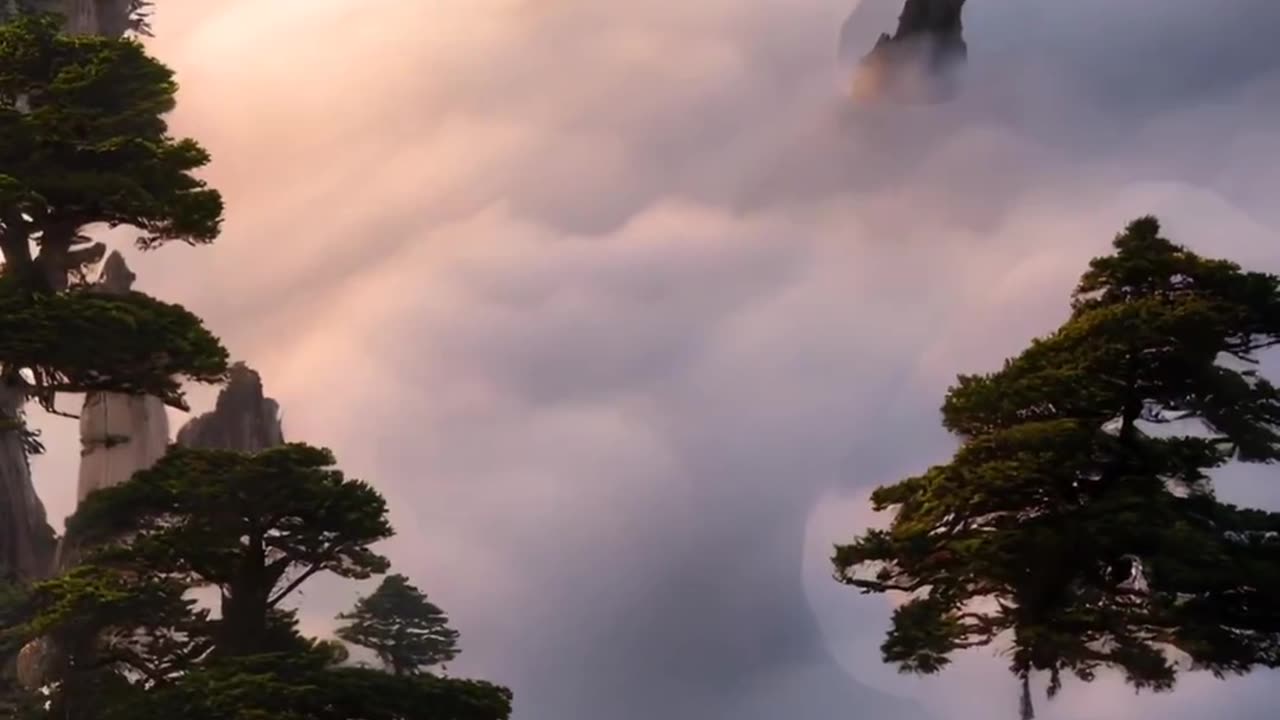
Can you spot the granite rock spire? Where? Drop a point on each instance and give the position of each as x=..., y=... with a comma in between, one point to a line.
x=243, y=419
x=917, y=62
x=119, y=434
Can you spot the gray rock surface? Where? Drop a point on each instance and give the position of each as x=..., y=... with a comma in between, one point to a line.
x=26, y=539
x=29, y=548
x=243, y=419
x=120, y=434
x=917, y=61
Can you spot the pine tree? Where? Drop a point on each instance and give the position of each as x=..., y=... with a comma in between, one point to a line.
x=407, y=632
x=83, y=143
x=254, y=526
x=1076, y=522
x=306, y=687
x=131, y=643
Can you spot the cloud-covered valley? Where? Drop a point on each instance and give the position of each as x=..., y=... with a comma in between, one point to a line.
x=625, y=306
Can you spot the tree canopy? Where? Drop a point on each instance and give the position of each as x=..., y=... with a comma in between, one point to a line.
x=84, y=142
x=81, y=340
x=254, y=526
x=1077, y=522
x=307, y=687
x=406, y=631
x=121, y=635
x=125, y=638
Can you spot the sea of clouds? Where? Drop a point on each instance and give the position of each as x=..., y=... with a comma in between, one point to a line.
x=626, y=306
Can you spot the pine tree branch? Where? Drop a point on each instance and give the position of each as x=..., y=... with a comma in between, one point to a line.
x=869, y=586
x=306, y=575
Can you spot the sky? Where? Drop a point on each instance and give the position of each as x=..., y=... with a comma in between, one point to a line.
x=626, y=307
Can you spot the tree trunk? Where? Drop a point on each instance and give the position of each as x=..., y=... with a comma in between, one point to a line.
x=243, y=628
x=1026, y=710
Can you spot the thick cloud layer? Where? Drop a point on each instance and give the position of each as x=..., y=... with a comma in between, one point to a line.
x=624, y=306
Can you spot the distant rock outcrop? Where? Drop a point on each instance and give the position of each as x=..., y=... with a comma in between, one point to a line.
x=917, y=62
x=243, y=419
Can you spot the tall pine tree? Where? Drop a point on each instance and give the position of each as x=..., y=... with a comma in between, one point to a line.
x=1077, y=523
x=83, y=144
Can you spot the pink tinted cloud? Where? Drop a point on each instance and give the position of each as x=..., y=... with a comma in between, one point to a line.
x=608, y=301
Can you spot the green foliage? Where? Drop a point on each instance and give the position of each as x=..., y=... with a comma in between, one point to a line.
x=406, y=631
x=1066, y=524
x=106, y=636
x=307, y=687
x=12, y=598
x=13, y=603
x=83, y=141
x=81, y=341
x=132, y=644
x=129, y=621
x=255, y=526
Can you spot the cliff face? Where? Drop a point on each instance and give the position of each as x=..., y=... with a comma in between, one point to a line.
x=244, y=419
x=26, y=539
x=122, y=434
x=119, y=434
x=916, y=62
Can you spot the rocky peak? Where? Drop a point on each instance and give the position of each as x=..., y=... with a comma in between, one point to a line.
x=116, y=277
x=917, y=61
x=120, y=433
x=243, y=419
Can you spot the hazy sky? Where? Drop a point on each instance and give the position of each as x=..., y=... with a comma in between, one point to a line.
x=625, y=306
